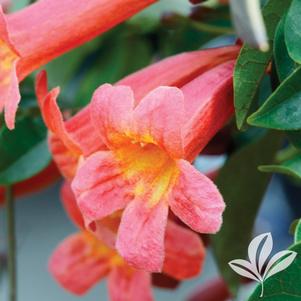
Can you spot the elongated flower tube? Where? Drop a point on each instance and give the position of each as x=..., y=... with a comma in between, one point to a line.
x=71, y=140
x=147, y=169
x=81, y=260
x=42, y=31
x=107, y=184
x=202, y=110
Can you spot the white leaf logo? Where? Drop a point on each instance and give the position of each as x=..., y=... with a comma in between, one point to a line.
x=259, y=268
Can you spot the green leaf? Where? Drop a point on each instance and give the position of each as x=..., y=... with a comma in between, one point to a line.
x=292, y=31
x=282, y=110
x=284, y=64
x=298, y=232
x=236, y=182
x=284, y=286
x=249, y=24
x=291, y=167
x=23, y=152
x=251, y=65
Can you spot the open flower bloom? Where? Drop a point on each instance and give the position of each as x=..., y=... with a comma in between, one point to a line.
x=145, y=170
x=142, y=162
x=81, y=260
x=46, y=29
x=76, y=138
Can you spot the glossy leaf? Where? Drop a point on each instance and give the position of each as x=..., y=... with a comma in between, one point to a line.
x=286, y=284
x=251, y=65
x=23, y=152
x=291, y=167
x=236, y=182
x=249, y=23
x=282, y=110
x=293, y=31
x=284, y=64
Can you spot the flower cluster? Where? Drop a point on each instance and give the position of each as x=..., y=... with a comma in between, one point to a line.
x=82, y=260
x=128, y=158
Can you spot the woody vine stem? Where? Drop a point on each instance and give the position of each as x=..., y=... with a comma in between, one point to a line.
x=11, y=243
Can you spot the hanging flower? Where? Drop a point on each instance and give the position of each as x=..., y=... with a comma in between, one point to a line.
x=141, y=163
x=144, y=172
x=45, y=30
x=76, y=138
x=82, y=260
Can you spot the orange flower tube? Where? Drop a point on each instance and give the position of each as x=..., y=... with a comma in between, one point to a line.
x=43, y=31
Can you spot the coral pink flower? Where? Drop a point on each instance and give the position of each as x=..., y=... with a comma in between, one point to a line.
x=40, y=32
x=147, y=169
x=71, y=140
x=133, y=173
x=81, y=260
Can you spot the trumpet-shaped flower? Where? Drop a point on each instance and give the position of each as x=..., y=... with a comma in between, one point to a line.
x=82, y=260
x=40, y=32
x=145, y=170
x=138, y=154
x=76, y=138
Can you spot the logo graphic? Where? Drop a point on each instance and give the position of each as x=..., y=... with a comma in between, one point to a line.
x=260, y=267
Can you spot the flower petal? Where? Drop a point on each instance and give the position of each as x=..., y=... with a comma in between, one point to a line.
x=111, y=112
x=140, y=239
x=9, y=84
x=196, y=200
x=48, y=29
x=184, y=252
x=66, y=160
x=106, y=229
x=75, y=266
x=100, y=187
x=79, y=128
x=51, y=113
x=159, y=117
x=126, y=284
x=177, y=70
x=83, y=132
x=208, y=107
x=70, y=205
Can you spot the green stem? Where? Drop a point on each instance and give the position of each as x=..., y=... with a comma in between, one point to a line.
x=11, y=244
